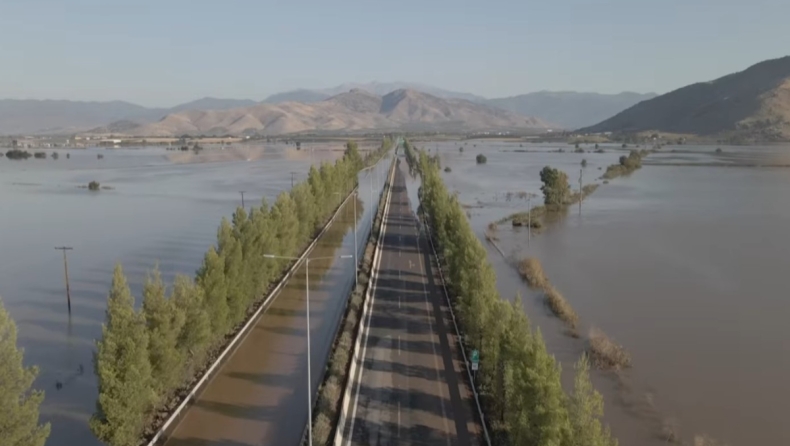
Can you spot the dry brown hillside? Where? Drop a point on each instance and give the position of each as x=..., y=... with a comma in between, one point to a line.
x=753, y=104
x=350, y=111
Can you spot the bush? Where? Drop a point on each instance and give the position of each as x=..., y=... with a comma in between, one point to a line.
x=55, y=155
x=16, y=154
x=481, y=159
x=40, y=155
x=94, y=185
x=532, y=271
x=607, y=354
x=447, y=169
x=322, y=428
x=100, y=156
x=584, y=162
x=329, y=395
x=560, y=307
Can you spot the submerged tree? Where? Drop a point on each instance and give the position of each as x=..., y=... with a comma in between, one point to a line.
x=18, y=403
x=556, y=189
x=123, y=370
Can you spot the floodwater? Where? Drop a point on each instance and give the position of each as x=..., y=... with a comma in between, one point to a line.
x=683, y=263
x=156, y=212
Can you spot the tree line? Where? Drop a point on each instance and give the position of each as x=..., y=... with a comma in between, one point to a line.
x=519, y=380
x=146, y=356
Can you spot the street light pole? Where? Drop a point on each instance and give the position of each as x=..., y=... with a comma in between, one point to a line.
x=309, y=357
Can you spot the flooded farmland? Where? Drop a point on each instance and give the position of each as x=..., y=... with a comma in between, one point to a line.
x=156, y=211
x=682, y=262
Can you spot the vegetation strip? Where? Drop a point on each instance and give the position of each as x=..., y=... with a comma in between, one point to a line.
x=336, y=376
x=148, y=359
x=532, y=271
x=458, y=332
x=519, y=381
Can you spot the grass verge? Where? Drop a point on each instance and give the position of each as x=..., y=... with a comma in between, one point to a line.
x=327, y=408
x=606, y=353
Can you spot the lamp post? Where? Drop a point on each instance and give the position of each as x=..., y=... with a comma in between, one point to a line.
x=309, y=363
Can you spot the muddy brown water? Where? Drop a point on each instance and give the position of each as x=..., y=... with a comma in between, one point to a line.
x=157, y=211
x=684, y=265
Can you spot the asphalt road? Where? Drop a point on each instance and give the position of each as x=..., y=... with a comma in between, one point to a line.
x=409, y=389
x=259, y=397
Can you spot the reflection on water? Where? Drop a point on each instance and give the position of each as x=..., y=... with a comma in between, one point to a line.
x=156, y=212
x=683, y=265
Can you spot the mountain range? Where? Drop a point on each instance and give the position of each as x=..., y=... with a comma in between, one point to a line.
x=570, y=109
x=63, y=117
x=355, y=110
x=750, y=105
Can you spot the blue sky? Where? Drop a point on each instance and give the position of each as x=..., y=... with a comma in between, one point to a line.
x=159, y=53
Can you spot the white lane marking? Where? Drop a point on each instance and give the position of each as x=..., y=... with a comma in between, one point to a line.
x=370, y=315
x=398, y=419
x=433, y=345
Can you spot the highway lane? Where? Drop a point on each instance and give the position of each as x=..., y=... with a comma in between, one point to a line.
x=410, y=388
x=259, y=397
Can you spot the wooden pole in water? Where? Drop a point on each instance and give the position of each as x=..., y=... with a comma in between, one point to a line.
x=529, y=219
x=66, y=269
x=242, y=197
x=581, y=191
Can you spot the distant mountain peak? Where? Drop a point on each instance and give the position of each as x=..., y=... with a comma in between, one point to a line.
x=569, y=109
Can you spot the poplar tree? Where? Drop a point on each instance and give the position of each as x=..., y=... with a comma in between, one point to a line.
x=122, y=369
x=193, y=341
x=585, y=408
x=18, y=403
x=284, y=213
x=164, y=323
x=211, y=278
x=231, y=251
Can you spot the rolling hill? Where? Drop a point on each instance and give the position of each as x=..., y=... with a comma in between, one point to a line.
x=750, y=105
x=26, y=116
x=377, y=88
x=570, y=109
x=350, y=111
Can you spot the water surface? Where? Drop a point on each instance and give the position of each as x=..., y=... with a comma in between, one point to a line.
x=683, y=264
x=156, y=212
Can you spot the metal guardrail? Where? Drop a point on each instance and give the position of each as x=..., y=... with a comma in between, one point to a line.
x=243, y=333
x=460, y=338
x=366, y=311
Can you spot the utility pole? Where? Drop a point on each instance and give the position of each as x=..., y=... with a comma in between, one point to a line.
x=529, y=219
x=581, y=190
x=66, y=269
x=242, y=197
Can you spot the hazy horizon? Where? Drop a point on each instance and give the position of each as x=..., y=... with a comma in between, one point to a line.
x=160, y=54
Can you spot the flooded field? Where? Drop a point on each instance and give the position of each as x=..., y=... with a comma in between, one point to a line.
x=683, y=263
x=157, y=210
